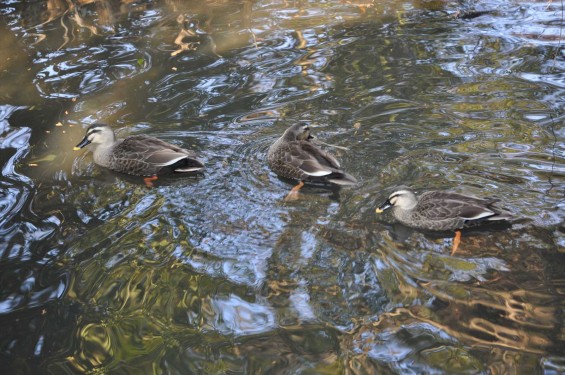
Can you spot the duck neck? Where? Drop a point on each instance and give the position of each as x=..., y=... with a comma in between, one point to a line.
x=411, y=206
x=102, y=154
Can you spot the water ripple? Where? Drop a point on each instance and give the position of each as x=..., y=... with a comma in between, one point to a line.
x=90, y=69
x=101, y=274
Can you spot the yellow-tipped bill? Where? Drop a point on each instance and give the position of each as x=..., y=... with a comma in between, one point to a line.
x=383, y=207
x=85, y=142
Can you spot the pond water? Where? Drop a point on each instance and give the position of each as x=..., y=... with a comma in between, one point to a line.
x=219, y=274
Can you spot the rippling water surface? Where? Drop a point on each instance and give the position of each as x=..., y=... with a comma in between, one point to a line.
x=219, y=274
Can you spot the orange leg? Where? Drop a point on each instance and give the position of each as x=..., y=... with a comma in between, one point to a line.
x=293, y=195
x=456, y=241
x=148, y=181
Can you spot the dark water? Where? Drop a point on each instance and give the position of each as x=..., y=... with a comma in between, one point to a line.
x=219, y=275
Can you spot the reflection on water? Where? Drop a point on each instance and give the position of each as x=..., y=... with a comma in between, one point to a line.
x=218, y=274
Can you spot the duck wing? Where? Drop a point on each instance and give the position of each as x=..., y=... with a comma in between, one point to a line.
x=445, y=205
x=312, y=160
x=440, y=195
x=148, y=154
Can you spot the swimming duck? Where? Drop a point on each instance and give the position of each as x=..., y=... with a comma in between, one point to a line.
x=138, y=155
x=442, y=211
x=294, y=156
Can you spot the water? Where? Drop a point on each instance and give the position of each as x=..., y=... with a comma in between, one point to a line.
x=218, y=274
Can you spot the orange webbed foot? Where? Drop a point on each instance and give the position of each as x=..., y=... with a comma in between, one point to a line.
x=293, y=195
x=456, y=241
x=149, y=181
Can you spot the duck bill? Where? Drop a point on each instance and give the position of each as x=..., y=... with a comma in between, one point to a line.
x=84, y=142
x=383, y=207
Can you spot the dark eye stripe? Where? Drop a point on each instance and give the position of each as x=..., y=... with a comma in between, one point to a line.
x=92, y=131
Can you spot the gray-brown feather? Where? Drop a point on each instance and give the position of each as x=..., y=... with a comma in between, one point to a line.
x=143, y=155
x=302, y=160
x=449, y=211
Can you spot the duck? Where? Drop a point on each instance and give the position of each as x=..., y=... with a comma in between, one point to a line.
x=138, y=155
x=442, y=211
x=296, y=157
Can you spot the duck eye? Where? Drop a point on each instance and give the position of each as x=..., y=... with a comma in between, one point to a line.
x=91, y=134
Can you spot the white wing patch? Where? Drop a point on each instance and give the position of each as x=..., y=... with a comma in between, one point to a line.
x=318, y=173
x=485, y=213
x=172, y=161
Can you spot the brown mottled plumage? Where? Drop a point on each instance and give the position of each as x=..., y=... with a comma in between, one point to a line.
x=294, y=156
x=442, y=211
x=138, y=155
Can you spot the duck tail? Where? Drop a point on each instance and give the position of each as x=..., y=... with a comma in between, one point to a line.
x=499, y=213
x=342, y=179
x=190, y=165
x=188, y=169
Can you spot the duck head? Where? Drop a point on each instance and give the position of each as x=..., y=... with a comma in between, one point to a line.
x=404, y=199
x=97, y=134
x=298, y=132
